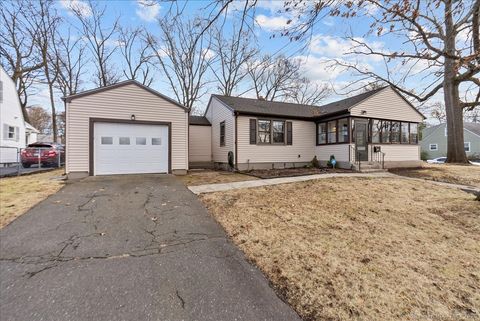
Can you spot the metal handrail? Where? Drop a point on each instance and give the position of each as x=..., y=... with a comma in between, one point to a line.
x=377, y=157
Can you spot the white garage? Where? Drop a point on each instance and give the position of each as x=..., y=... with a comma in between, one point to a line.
x=126, y=128
x=129, y=148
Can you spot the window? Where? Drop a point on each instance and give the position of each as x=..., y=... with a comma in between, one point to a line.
x=264, y=131
x=278, y=132
x=124, y=140
x=404, y=133
x=433, y=147
x=376, y=131
x=156, y=141
x=385, y=131
x=106, y=140
x=11, y=132
x=413, y=133
x=322, y=133
x=395, y=132
x=222, y=133
x=141, y=141
x=332, y=131
x=466, y=146
x=343, y=130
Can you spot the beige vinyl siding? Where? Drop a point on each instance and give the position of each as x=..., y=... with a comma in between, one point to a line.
x=121, y=103
x=302, y=149
x=340, y=151
x=200, y=143
x=399, y=152
x=216, y=113
x=387, y=104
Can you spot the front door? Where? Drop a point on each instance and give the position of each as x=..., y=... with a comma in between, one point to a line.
x=361, y=140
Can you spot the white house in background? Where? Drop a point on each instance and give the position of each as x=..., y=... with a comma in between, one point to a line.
x=15, y=132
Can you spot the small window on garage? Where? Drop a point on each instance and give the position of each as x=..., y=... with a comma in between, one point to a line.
x=107, y=140
x=156, y=141
x=124, y=141
x=433, y=146
x=141, y=141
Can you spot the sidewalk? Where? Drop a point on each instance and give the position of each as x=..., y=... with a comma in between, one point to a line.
x=210, y=188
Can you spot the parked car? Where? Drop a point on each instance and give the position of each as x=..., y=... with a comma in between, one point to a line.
x=48, y=154
x=438, y=160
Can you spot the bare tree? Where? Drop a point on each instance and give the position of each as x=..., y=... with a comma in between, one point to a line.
x=101, y=41
x=69, y=61
x=137, y=58
x=183, y=52
x=430, y=32
x=437, y=111
x=44, y=22
x=273, y=78
x=233, y=52
x=39, y=118
x=17, y=49
x=306, y=92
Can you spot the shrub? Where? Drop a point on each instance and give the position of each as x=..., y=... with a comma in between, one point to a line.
x=315, y=163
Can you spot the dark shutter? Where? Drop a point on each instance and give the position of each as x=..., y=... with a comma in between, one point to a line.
x=253, y=131
x=289, y=133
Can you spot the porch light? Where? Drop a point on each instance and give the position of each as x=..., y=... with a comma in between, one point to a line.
x=132, y=117
x=363, y=112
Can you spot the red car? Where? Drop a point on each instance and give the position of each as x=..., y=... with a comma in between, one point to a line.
x=49, y=154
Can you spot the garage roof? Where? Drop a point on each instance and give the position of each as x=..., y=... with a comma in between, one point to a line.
x=121, y=84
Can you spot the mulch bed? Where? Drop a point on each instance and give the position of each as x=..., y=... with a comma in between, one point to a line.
x=290, y=172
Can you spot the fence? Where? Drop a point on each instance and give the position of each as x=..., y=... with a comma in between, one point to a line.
x=15, y=161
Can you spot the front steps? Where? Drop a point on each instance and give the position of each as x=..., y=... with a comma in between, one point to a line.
x=368, y=167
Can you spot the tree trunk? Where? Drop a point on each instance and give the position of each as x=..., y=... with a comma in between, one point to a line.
x=454, y=112
x=54, y=112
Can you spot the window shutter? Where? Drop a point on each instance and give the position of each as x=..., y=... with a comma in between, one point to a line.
x=289, y=133
x=17, y=134
x=253, y=131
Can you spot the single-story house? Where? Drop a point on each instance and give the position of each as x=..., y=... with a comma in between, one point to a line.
x=129, y=128
x=434, y=140
x=15, y=132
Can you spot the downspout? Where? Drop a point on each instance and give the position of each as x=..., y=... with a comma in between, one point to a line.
x=236, y=141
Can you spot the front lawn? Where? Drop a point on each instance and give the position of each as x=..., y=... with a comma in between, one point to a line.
x=19, y=194
x=361, y=248
x=449, y=173
x=289, y=172
x=203, y=177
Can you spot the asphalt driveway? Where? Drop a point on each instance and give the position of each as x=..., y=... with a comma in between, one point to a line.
x=128, y=248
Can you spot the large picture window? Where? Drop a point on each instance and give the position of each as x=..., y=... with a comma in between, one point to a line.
x=413, y=133
x=264, y=133
x=395, y=132
x=385, y=131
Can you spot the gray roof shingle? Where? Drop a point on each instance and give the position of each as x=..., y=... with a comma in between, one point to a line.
x=473, y=127
x=274, y=108
x=198, y=120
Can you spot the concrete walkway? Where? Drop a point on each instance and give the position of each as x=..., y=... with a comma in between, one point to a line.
x=209, y=188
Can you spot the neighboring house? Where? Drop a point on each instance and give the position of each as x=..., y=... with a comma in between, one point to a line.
x=264, y=134
x=434, y=140
x=15, y=133
x=123, y=129
x=129, y=128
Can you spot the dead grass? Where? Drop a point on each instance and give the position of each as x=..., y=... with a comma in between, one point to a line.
x=290, y=172
x=361, y=249
x=19, y=194
x=196, y=178
x=449, y=173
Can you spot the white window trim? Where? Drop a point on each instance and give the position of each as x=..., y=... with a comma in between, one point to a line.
x=469, y=146
x=430, y=147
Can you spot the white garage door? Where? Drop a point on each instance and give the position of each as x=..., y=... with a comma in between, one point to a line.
x=130, y=148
